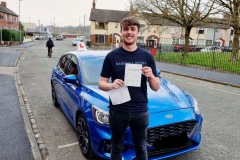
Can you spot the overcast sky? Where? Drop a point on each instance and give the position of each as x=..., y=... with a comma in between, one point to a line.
x=62, y=12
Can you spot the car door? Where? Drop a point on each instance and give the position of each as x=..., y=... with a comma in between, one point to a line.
x=71, y=91
x=58, y=77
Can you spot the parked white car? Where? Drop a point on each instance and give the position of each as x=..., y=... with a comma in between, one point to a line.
x=59, y=37
x=76, y=40
x=211, y=49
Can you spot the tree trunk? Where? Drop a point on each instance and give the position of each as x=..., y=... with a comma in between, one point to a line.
x=235, y=47
x=187, y=35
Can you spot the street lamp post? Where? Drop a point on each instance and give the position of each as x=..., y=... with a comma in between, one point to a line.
x=20, y=24
x=85, y=19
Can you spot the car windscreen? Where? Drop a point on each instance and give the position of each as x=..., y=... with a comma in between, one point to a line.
x=91, y=68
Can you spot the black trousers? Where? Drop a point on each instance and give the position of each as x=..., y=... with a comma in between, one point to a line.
x=49, y=49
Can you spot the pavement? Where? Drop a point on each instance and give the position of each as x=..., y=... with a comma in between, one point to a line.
x=17, y=139
x=12, y=99
x=197, y=73
x=14, y=140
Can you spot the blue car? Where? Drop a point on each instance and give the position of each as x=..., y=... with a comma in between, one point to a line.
x=175, y=119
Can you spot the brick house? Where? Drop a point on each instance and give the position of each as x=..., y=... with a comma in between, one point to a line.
x=105, y=29
x=8, y=19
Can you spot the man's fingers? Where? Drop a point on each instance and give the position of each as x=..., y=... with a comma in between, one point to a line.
x=118, y=83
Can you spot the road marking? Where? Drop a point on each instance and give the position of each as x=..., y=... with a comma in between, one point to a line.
x=67, y=145
x=214, y=88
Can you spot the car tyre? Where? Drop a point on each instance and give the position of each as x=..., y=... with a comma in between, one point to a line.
x=84, y=138
x=54, y=97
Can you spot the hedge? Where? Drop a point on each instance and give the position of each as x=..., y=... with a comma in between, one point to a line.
x=11, y=35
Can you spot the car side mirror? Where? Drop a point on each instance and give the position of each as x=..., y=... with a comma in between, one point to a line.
x=70, y=78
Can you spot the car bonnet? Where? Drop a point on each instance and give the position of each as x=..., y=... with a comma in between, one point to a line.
x=168, y=97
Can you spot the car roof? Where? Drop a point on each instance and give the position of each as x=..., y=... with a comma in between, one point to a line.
x=89, y=53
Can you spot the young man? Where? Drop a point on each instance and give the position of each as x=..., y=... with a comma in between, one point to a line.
x=133, y=113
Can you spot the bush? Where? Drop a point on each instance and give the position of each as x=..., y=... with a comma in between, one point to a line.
x=6, y=35
x=13, y=35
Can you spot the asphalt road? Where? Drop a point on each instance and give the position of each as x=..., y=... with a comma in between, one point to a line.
x=219, y=104
x=220, y=108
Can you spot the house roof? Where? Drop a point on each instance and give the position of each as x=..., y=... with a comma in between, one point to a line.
x=215, y=23
x=6, y=10
x=161, y=21
x=209, y=23
x=103, y=15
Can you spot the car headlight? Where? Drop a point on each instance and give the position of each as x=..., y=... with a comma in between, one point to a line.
x=196, y=109
x=100, y=115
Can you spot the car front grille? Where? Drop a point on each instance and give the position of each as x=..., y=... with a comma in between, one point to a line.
x=169, y=130
x=170, y=138
x=164, y=139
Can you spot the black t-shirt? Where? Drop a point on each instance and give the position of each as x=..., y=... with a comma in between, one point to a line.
x=114, y=68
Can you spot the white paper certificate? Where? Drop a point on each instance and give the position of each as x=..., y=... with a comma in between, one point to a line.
x=120, y=95
x=133, y=75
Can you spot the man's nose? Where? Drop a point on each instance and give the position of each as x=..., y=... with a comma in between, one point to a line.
x=129, y=31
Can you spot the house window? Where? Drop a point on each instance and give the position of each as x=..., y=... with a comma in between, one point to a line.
x=101, y=25
x=201, y=31
x=1, y=17
x=209, y=42
x=140, y=39
x=232, y=32
x=182, y=41
x=200, y=42
x=99, y=38
x=175, y=41
x=142, y=28
x=10, y=18
x=165, y=41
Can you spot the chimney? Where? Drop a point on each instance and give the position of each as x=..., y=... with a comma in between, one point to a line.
x=4, y=4
x=93, y=5
x=131, y=9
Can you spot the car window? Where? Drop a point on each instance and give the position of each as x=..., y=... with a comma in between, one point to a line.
x=91, y=69
x=63, y=60
x=74, y=68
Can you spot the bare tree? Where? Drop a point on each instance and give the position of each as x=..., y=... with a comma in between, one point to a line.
x=231, y=11
x=186, y=13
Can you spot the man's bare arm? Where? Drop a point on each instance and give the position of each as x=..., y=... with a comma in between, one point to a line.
x=154, y=82
x=105, y=85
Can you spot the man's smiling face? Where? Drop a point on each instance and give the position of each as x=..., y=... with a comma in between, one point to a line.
x=129, y=34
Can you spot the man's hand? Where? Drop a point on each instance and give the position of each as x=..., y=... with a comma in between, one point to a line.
x=147, y=71
x=117, y=83
x=154, y=82
x=105, y=85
